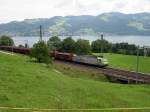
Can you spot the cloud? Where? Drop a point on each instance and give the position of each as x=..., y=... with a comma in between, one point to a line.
x=22, y=9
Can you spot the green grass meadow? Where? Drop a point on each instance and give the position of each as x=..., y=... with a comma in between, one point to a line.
x=28, y=84
x=128, y=62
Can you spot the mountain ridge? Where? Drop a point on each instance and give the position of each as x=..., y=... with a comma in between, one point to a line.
x=113, y=23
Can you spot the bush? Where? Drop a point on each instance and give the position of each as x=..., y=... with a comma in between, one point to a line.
x=40, y=51
x=122, y=51
x=6, y=40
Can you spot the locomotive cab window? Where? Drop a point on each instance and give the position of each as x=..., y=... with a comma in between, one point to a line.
x=99, y=60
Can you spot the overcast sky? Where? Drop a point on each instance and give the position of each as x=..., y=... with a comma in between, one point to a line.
x=11, y=10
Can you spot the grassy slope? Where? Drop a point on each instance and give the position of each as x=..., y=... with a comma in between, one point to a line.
x=26, y=84
x=128, y=62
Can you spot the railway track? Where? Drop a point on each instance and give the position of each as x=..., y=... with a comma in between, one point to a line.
x=116, y=75
x=127, y=76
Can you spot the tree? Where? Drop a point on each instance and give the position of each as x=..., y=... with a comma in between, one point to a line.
x=68, y=45
x=98, y=44
x=6, y=40
x=114, y=48
x=54, y=43
x=40, y=51
x=124, y=48
x=82, y=47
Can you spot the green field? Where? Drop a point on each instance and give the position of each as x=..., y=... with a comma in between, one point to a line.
x=31, y=85
x=128, y=62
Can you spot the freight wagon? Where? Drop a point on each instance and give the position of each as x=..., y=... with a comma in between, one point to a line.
x=25, y=51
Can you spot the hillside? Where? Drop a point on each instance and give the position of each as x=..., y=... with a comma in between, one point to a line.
x=108, y=23
x=27, y=84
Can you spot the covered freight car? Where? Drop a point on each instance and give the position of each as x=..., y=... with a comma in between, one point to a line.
x=62, y=56
x=25, y=51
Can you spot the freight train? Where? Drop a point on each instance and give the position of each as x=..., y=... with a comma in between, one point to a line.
x=84, y=59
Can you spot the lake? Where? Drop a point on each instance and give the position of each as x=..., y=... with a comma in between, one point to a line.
x=138, y=40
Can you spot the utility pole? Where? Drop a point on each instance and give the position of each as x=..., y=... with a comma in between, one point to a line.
x=137, y=61
x=102, y=37
x=40, y=33
x=137, y=64
x=145, y=51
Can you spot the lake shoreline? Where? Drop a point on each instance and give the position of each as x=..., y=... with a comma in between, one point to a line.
x=138, y=40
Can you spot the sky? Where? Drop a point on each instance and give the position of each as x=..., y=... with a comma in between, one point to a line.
x=12, y=10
